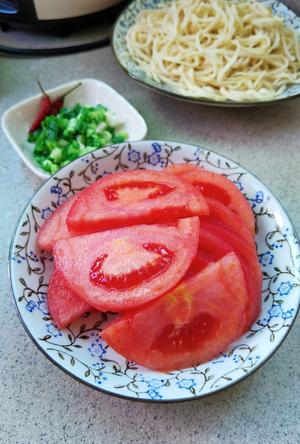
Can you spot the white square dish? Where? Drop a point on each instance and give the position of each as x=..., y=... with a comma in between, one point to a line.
x=17, y=120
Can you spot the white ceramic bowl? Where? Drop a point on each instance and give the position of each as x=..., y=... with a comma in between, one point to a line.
x=17, y=120
x=80, y=351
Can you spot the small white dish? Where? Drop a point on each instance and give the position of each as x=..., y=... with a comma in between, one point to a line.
x=17, y=120
x=82, y=353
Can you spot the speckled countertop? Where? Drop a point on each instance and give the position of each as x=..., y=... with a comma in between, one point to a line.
x=41, y=404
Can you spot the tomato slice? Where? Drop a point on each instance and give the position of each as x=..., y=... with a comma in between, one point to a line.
x=218, y=187
x=120, y=269
x=220, y=214
x=64, y=306
x=214, y=243
x=132, y=198
x=189, y=325
x=55, y=228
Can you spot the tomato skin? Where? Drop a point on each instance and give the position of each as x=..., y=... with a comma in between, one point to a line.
x=220, y=214
x=145, y=335
x=214, y=243
x=199, y=177
x=75, y=257
x=55, y=228
x=64, y=306
x=116, y=201
x=181, y=169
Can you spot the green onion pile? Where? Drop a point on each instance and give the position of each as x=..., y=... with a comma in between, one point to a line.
x=74, y=132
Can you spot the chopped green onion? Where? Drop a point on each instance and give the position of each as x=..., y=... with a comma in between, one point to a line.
x=74, y=132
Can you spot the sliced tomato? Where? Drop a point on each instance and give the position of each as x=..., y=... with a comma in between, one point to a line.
x=55, y=228
x=201, y=260
x=218, y=187
x=214, y=243
x=120, y=269
x=239, y=244
x=189, y=325
x=64, y=306
x=220, y=214
x=131, y=198
x=189, y=229
x=181, y=169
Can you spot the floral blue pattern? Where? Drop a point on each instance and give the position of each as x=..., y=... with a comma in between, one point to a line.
x=30, y=306
x=61, y=199
x=154, y=159
x=264, y=321
x=97, y=349
x=18, y=259
x=266, y=258
x=56, y=190
x=154, y=394
x=42, y=305
x=33, y=256
x=197, y=153
x=258, y=199
x=238, y=183
x=46, y=213
x=134, y=156
x=157, y=147
x=275, y=311
x=186, y=383
x=236, y=358
x=53, y=330
x=288, y=314
x=284, y=288
x=156, y=383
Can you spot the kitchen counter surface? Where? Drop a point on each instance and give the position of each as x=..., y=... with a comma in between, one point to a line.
x=41, y=404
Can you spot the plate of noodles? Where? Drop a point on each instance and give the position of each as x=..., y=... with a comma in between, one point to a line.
x=214, y=52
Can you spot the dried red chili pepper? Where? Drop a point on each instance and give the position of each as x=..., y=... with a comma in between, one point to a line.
x=58, y=103
x=48, y=107
x=44, y=109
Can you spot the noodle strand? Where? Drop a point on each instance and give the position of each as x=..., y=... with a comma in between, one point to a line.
x=216, y=49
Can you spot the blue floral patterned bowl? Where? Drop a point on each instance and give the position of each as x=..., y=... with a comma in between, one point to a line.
x=80, y=351
x=127, y=19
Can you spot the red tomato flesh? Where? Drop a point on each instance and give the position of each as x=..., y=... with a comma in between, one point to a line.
x=220, y=214
x=121, y=269
x=148, y=190
x=214, y=243
x=162, y=260
x=187, y=326
x=188, y=337
x=64, y=306
x=132, y=198
x=213, y=191
x=218, y=187
x=55, y=228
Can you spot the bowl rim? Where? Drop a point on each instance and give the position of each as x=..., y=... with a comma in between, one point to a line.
x=190, y=99
x=12, y=109
x=118, y=395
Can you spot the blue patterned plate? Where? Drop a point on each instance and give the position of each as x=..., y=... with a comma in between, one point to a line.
x=80, y=351
x=127, y=19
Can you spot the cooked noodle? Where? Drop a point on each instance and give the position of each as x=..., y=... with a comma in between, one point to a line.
x=216, y=49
